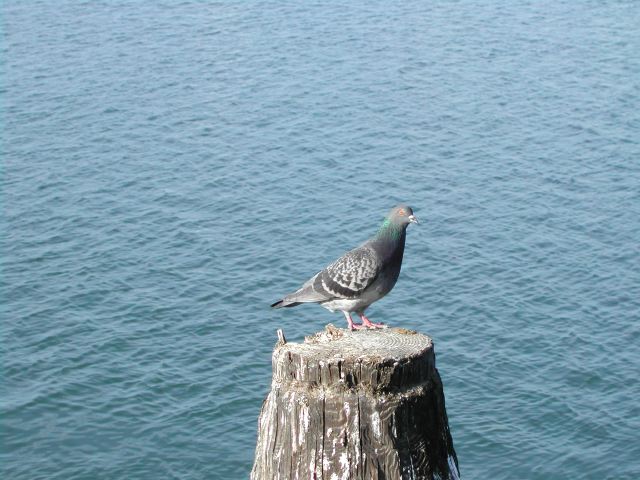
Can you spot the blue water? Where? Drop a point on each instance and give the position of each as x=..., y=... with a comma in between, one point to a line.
x=169, y=169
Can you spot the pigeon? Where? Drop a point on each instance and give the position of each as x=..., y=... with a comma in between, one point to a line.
x=362, y=275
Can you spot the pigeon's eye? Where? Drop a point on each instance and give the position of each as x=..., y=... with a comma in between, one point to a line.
x=401, y=212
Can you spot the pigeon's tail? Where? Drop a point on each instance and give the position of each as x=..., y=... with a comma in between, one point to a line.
x=282, y=303
x=305, y=294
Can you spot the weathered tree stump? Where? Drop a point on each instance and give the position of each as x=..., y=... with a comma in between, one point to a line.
x=355, y=405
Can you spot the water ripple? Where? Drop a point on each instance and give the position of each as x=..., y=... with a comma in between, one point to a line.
x=170, y=169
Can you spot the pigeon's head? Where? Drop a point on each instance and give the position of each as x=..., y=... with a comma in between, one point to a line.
x=402, y=215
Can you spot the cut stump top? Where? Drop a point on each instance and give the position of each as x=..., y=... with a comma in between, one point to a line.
x=380, y=360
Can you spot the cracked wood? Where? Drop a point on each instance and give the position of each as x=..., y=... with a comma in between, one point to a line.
x=355, y=405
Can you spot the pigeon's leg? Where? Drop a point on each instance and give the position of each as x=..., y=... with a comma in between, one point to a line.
x=352, y=326
x=368, y=323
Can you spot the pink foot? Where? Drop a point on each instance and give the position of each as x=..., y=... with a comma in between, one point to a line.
x=368, y=323
x=352, y=326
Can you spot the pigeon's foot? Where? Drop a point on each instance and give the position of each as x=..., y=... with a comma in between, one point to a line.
x=352, y=325
x=366, y=323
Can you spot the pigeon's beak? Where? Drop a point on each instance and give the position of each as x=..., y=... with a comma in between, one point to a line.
x=413, y=219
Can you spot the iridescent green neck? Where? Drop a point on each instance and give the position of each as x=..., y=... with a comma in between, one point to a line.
x=389, y=229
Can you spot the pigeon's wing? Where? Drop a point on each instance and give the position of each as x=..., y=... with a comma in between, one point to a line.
x=346, y=278
x=350, y=275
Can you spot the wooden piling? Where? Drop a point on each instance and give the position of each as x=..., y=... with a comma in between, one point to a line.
x=360, y=405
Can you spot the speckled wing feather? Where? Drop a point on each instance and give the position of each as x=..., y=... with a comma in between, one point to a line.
x=347, y=277
x=350, y=275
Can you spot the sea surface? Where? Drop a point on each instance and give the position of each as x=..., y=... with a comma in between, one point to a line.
x=171, y=168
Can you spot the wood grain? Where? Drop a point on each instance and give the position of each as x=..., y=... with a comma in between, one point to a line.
x=355, y=405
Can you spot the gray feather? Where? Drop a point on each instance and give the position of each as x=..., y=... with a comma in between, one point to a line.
x=362, y=275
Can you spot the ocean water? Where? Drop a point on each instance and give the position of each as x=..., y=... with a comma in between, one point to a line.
x=171, y=168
